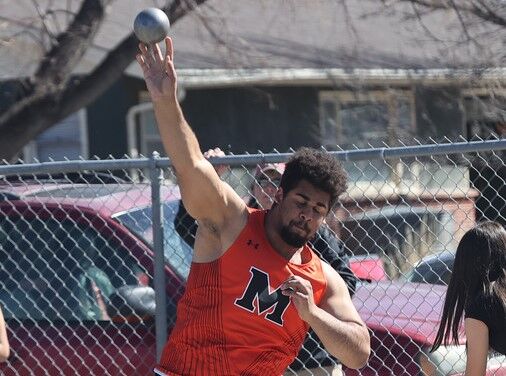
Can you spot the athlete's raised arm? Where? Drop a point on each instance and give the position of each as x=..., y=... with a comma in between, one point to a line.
x=206, y=197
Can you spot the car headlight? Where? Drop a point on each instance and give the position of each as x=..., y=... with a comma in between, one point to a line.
x=446, y=360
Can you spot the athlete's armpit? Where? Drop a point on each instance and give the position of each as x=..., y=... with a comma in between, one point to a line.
x=210, y=226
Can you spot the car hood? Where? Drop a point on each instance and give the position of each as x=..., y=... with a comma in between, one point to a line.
x=403, y=308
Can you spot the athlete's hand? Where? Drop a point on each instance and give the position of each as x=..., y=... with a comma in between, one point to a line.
x=159, y=72
x=301, y=293
x=217, y=152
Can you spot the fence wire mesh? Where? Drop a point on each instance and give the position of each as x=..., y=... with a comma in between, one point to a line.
x=77, y=249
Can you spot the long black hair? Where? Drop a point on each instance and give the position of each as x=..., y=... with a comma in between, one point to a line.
x=479, y=268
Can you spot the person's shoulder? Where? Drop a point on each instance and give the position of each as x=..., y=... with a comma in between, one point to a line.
x=479, y=307
x=255, y=211
x=478, y=299
x=326, y=240
x=325, y=231
x=327, y=269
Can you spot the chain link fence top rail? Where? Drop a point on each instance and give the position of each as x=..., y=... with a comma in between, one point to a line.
x=78, y=241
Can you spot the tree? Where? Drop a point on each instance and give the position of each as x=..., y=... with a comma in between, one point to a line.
x=52, y=94
x=468, y=36
x=482, y=22
x=491, y=11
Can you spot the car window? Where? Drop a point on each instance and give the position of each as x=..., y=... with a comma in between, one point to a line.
x=52, y=269
x=177, y=252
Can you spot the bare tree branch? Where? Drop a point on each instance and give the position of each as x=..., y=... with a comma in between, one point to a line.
x=348, y=18
x=52, y=97
x=42, y=19
x=485, y=12
x=56, y=67
x=424, y=27
x=461, y=20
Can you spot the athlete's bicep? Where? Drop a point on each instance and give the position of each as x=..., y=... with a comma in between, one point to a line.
x=337, y=300
x=209, y=199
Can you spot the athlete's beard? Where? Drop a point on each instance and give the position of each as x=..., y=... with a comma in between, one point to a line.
x=292, y=238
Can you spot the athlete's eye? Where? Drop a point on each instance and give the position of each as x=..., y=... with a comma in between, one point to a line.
x=300, y=204
x=319, y=210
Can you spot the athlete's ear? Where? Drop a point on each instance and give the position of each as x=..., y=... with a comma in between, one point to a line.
x=278, y=196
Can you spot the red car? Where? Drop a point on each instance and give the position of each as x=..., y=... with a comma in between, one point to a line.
x=403, y=318
x=368, y=268
x=66, y=251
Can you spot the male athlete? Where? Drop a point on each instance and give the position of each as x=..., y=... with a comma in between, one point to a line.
x=255, y=286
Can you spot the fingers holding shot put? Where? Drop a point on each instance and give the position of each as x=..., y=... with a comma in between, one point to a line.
x=301, y=293
x=296, y=284
x=152, y=26
x=158, y=70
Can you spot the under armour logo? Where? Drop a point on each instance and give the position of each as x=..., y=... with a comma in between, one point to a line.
x=252, y=244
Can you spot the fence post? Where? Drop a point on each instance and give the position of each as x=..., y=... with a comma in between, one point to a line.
x=156, y=177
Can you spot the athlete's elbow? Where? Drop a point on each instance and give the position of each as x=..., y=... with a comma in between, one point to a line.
x=361, y=355
x=4, y=353
x=358, y=360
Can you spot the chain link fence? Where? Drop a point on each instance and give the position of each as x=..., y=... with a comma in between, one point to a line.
x=94, y=254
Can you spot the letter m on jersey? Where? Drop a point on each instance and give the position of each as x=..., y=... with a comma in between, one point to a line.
x=258, y=295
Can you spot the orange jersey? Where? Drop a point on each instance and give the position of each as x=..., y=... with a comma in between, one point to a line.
x=232, y=318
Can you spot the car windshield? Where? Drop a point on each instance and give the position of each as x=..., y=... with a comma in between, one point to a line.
x=177, y=252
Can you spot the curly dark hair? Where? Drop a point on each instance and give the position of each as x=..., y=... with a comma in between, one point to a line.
x=318, y=168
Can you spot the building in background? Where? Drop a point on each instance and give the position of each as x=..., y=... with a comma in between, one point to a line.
x=259, y=77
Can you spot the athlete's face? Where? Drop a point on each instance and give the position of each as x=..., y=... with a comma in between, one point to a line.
x=302, y=211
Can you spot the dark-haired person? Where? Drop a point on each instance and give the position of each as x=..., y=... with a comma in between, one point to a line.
x=488, y=174
x=326, y=245
x=477, y=290
x=255, y=286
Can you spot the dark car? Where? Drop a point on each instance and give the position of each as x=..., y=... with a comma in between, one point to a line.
x=433, y=269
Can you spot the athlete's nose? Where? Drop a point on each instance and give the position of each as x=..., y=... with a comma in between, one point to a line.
x=304, y=215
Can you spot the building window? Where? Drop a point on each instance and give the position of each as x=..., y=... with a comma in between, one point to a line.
x=350, y=120
x=362, y=120
x=150, y=139
x=67, y=139
x=485, y=111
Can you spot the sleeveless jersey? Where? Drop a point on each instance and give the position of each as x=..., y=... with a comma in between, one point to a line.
x=232, y=318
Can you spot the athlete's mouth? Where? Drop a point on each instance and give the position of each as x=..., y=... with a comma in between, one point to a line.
x=300, y=227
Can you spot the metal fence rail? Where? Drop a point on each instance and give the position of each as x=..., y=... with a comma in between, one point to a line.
x=94, y=254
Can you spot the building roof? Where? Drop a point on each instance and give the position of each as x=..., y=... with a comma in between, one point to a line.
x=265, y=36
